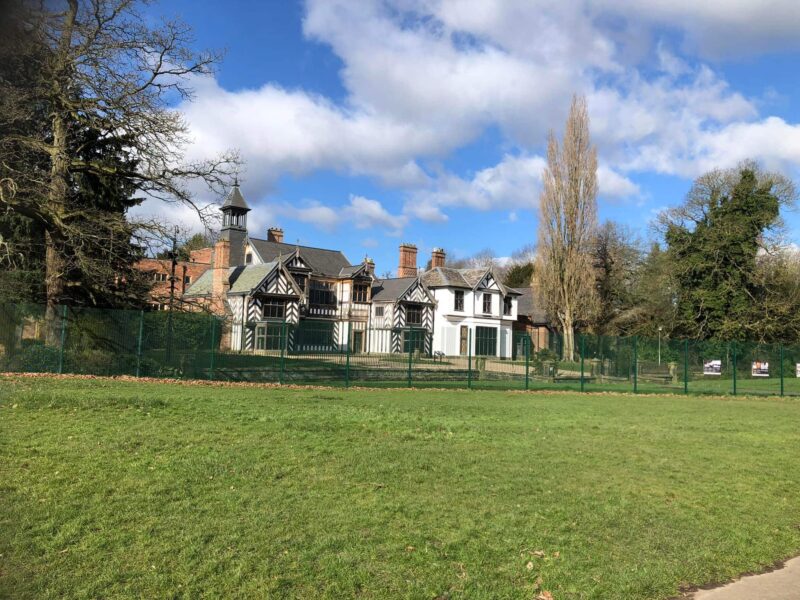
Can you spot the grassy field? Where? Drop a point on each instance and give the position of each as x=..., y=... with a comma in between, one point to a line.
x=128, y=489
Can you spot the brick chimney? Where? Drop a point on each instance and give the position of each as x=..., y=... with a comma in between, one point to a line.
x=275, y=234
x=408, y=261
x=437, y=258
x=220, y=283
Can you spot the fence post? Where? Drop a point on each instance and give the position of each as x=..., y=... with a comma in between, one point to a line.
x=469, y=357
x=635, y=364
x=211, y=360
x=347, y=359
x=139, y=344
x=63, y=339
x=527, y=360
x=734, y=368
x=685, y=366
x=410, y=352
x=781, y=369
x=283, y=351
x=583, y=352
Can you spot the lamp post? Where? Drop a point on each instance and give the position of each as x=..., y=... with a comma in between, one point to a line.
x=659, y=345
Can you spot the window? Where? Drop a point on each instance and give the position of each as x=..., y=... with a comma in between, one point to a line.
x=485, y=341
x=413, y=314
x=300, y=280
x=507, y=305
x=322, y=293
x=274, y=308
x=459, y=301
x=414, y=339
x=378, y=311
x=360, y=292
x=269, y=336
x=160, y=276
x=487, y=304
x=248, y=258
x=187, y=279
x=315, y=335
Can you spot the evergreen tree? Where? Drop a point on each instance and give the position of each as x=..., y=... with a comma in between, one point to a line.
x=718, y=291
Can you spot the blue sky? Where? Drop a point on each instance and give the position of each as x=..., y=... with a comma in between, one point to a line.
x=366, y=124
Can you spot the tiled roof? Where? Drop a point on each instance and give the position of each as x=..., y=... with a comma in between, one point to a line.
x=389, y=290
x=445, y=277
x=201, y=286
x=323, y=262
x=349, y=271
x=460, y=278
x=244, y=279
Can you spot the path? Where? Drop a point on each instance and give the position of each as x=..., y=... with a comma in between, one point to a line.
x=782, y=584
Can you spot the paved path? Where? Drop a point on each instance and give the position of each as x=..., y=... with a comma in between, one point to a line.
x=783, y=584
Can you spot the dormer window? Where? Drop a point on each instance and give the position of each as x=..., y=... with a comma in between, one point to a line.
x=360, y=292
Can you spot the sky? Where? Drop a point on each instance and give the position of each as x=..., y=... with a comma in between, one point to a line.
x=366, y=123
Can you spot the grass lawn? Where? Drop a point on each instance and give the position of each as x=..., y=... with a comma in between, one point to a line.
x=147, y=490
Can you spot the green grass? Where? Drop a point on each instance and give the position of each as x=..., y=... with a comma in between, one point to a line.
x=127, y=489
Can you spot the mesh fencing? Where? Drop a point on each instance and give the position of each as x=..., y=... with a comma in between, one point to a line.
x=182, y=345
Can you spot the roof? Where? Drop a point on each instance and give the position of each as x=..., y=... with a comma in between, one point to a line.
x=460, y=278
x=245, y=279
x=242, y=279
x=323, y=262
x=235, y=199
x=526, y=306
x=445, y=277
x=389, y=290
x=201, y=285
x=350, y=270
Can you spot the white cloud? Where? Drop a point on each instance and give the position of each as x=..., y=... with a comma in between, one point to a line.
x=361, y=212
x=612, y=184
x=424, y=78
x=512, y=183
x=718, y=28
x=369, y=214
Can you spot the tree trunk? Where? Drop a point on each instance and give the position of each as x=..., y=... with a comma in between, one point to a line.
x=54, y=287
x=59, y=172
x=568, y=331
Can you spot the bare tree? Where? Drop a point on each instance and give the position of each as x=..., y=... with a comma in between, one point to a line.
x=564, y=274
x=103, y=68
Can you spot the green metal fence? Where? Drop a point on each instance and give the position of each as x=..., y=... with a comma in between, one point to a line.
x=189, y=346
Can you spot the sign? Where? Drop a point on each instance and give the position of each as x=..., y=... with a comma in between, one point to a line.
x=760, y=369
x=797, y=370
x=712, y=367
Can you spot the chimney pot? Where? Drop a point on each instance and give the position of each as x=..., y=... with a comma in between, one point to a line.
x=275, y=234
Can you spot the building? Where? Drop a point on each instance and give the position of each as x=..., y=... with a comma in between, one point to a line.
x=474, y=313
x=315, y=298
x=532, y=320
x=186, y=273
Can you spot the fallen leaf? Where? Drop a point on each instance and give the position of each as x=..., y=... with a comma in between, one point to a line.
x=529, y=565
x=556, y=554
x=538, y=553
x=545, y=595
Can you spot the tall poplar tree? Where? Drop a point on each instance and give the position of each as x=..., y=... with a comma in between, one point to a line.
x=564, y=274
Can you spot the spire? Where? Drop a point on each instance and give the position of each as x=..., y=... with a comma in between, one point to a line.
x=235, y=198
